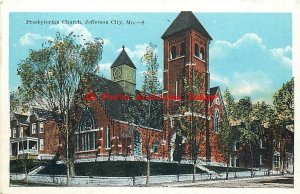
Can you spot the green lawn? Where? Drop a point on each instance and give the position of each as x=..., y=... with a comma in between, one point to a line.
x=121, y=169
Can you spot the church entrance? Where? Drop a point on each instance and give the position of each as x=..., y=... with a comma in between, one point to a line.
x=176, y=148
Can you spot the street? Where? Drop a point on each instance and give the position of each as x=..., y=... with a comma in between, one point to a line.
x=259, y=182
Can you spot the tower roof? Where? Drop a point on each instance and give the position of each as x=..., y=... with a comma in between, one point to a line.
x=122, y=59
x=184, y=21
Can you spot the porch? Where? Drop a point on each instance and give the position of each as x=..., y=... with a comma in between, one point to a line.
x=24, y=146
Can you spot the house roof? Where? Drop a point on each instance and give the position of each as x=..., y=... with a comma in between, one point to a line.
x=122, y=59
x=21, y=119
x=214, y=90
x=43, y=114
x=184, y=21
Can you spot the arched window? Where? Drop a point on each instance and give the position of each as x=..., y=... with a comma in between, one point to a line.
x=87, y=121
x=155, y=146
x=196, y=50
x=202, y=56
x=182, y=49
x=216, y=121
x=86, y=136
x=173, y=52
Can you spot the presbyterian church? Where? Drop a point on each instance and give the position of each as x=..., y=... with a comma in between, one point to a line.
x=104, y=132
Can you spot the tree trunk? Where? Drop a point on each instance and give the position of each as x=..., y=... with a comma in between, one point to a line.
x=194, y=171
x=148, y=171
x=148, y=146
x=148, y=159
x=67, y=148
x=70, y=162
x=227, y=167
x=251, y=155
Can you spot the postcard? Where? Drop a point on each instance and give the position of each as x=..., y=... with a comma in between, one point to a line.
x=149, y=98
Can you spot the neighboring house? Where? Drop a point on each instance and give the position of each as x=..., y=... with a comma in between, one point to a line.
x=35, y=135
x=274, y=150
x=20, y=140
x=280, y=147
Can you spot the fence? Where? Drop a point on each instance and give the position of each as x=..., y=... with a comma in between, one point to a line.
x=132, y=181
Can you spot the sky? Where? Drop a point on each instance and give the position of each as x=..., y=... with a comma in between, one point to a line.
x=250, y=54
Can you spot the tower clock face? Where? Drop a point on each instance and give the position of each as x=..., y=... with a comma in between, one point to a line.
x=129, y=73
x=117, y=73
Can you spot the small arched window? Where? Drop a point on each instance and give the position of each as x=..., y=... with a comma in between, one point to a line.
x=196, y=50
x=182, y=49
x=173, y=52
x=155, y=146
x=216, y=121
x=202, y=56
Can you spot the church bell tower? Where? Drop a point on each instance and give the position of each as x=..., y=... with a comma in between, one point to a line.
x=186, y=60
x=123, y=71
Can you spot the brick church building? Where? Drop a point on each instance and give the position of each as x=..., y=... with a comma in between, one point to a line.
x=103, y=130
x=182, y=129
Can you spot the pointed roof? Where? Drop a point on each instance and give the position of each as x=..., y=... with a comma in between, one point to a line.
x=184, y=21
x=21, y=119
x=42, y=114
x=214, y=90
x=122, y=59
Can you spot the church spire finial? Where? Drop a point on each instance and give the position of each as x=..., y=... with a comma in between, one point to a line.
x=123, y=47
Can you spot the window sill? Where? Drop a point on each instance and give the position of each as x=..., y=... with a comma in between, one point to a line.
x=180, y=57
x=85, y=151
x=203, y=60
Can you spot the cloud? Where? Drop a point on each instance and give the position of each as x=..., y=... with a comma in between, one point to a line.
x=137, y=52
x=218, y=78
x=283, y=54
x=79, y=30
x=248, y=67
x=257, y=84
x=31, y=38
x=251, y=41
x=106, y=42
x=103, y=67
x=250, y=82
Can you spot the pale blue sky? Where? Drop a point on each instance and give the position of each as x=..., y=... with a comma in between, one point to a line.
x=251, y=54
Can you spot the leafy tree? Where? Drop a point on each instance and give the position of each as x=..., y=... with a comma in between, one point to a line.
x=253, y=118
x=283, y=101
x=50, y=77
x=228, y=134
x=146, y=109
x=15, y=103
x=189, y=122
x=230, y=106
